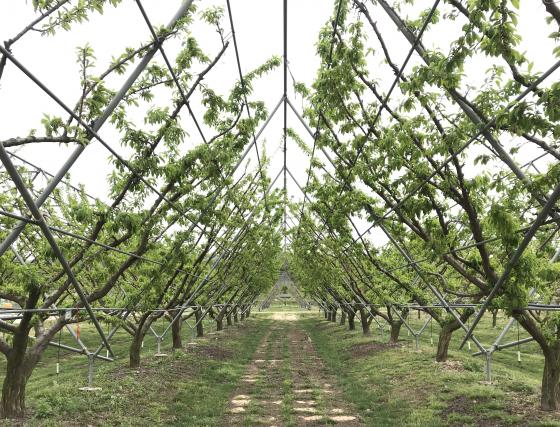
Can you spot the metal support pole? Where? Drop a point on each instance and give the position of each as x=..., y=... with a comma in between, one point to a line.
x=158, y=338
x=26, y=195
x=193, y=334
x=415, y=334
x=83, y=349
x=470, y=113
x=90, y=369
x=442, y=300
x=308, y=129
x=239, y=162
x=90, y=387
x=220, y=258
x=112, y=332
x=508, y=345
x=285, y=130
x=488, y=370
x=543, y=214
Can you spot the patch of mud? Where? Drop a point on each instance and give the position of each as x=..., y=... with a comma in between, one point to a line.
x=150, y=367
x=464, y=405
x=212, y=352
x=518, y=405
x=451, y=365
x=365, y=349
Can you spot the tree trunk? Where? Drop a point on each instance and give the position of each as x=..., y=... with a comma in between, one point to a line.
x=395, y=331
x=364, y=320
x=176, y=333
x=219, y=323
x=198, y=320
x=550, y=391
x=327, y=313
x=228, y=320
x=18, y=371
x=342, y=317
x=136, y=344
x=333, y=316
x=494, y=318
x=134, y=350
x=351, y=323
x=20, y=362
x=235, y=316
x=244, y=315
x=443, y=341
x=550, y=386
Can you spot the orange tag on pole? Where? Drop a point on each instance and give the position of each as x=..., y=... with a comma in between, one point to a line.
x=78, y=331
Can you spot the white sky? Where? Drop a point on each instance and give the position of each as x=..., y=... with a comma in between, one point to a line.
x=259, y=31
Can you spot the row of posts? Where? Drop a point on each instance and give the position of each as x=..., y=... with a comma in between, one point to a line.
x=488, y=353
x=92, y=355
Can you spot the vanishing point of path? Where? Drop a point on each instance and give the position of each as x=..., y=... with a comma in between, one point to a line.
x=286, y=384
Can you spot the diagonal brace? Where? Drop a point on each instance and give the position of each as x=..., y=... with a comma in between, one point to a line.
x=28, y=199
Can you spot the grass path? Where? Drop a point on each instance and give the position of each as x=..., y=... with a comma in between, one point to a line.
x=286, y=384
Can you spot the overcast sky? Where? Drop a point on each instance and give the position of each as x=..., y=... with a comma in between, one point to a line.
x=258, y=25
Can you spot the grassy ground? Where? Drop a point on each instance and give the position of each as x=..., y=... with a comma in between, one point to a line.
x=387, y=385
x=189, y=387
x=399, y=386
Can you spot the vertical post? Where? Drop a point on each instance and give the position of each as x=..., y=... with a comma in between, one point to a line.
x=90, y=370
x=489, y=366
x=91, y=359
x=285, y=24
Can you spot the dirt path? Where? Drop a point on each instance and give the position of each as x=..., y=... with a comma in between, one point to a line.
x=286, y=384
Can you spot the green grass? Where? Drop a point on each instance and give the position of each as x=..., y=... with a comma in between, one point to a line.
x=389, y=386
x=399, y=386
x=189, y=387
